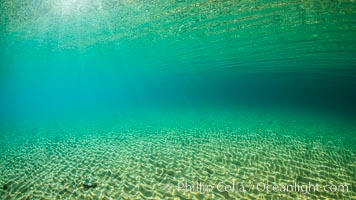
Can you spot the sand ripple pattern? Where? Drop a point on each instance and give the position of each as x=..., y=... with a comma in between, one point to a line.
x=147, y=159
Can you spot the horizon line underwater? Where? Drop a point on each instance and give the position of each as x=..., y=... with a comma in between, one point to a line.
x=177, y=99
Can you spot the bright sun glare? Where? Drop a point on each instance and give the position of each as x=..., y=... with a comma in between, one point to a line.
x=73, y=6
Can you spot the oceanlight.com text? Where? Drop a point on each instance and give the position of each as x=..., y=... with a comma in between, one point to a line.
x=201, y=187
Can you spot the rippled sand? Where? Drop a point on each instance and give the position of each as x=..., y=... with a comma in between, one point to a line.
x=148, y=159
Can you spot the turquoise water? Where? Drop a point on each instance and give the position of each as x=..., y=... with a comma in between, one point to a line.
x=164, y=93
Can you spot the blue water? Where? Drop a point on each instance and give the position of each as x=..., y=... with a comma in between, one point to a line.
x=79, y=55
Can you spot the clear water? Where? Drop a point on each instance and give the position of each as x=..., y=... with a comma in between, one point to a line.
x=142, y=95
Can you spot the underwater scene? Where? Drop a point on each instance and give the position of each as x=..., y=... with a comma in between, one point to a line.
x=177, y=99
